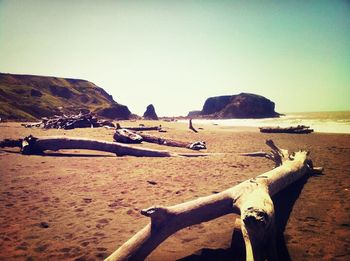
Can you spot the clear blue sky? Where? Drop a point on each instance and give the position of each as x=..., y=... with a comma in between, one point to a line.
x=175, y=54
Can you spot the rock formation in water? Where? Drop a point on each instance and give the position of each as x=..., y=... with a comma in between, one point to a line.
x=243, y=105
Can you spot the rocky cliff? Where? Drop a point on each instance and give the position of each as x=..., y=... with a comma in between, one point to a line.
x=243, y=105
x=150, y=113
x=29, y=97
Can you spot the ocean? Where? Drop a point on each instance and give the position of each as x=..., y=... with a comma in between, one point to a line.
x=326, y=122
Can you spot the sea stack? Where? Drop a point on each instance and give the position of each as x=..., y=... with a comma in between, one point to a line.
x=150, y=113
x=243, y=106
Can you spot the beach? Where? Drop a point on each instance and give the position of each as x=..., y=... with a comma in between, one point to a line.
x=83, y=205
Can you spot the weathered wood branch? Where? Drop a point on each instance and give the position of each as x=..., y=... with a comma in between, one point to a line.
x=276, y=154
x=198, y=145
x=127, y=136
x=190, y=126
x=251, y=199
x=32, y=145
x=140, y=128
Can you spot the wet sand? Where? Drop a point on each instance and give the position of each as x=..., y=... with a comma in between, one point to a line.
x=82, y=205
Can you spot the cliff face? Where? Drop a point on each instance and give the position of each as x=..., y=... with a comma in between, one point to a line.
x=30, y=97
x=244, y=105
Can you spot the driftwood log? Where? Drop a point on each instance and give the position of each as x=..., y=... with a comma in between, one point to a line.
x=32, y=145
x=140, y=128
x=127, y=136
x=197, y=145
x=300, y=129
x=250, y=199
x=190, y=126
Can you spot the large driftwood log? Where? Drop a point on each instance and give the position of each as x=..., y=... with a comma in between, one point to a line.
x=140, y=128
x=127, y=136
x=32, y=145
x=300, y=129
x=251, y=199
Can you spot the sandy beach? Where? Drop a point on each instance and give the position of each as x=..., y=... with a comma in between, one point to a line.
x=82, y=205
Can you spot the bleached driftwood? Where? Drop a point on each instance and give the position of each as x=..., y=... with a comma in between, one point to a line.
x=140, y=128
x=32, y=145
x=127, y=136
x=198, y=145
x=251, y=199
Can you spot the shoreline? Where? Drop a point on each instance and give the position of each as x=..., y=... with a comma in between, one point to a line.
x=84, y=204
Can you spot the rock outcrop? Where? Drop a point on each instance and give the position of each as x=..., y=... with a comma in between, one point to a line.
x=194, y=114
x=243, y=105
x=150, y=113
x=30, y=97
x=117, y=112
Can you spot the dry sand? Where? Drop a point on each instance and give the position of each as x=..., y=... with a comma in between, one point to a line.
x=82, y=205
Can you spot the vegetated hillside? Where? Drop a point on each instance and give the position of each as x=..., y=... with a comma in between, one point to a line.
x=243, y=105
x=30, y=97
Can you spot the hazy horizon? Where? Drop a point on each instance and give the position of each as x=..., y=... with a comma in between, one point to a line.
x=176, y=54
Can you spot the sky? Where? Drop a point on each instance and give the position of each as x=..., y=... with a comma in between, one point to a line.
x=175, y=54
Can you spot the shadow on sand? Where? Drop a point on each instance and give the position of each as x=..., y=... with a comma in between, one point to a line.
x=284, y=202
x=62, y=154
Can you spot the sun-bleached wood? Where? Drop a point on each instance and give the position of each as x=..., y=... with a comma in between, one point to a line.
x=251, y=199
x=127, y=136
x=198, y=145
x=33, y=145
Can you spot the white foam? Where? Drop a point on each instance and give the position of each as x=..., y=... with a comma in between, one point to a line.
x=324, y=125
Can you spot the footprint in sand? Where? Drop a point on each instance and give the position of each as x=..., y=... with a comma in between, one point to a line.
x=84, y=244
x=102, y=222
x=102, y=255
x=87, y=200
x=65, y=250
x=22, y=246
x=41, y=248
x=68, y=235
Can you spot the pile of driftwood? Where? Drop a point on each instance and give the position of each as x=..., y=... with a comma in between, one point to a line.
x=67, y=122
x=300, y=129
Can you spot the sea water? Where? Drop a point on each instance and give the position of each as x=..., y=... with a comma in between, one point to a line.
x=329, y=122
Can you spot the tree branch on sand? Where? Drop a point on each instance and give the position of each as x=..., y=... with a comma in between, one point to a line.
x=32, y=145
x=190, y=126
x=250, y=199
x=197, y=145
